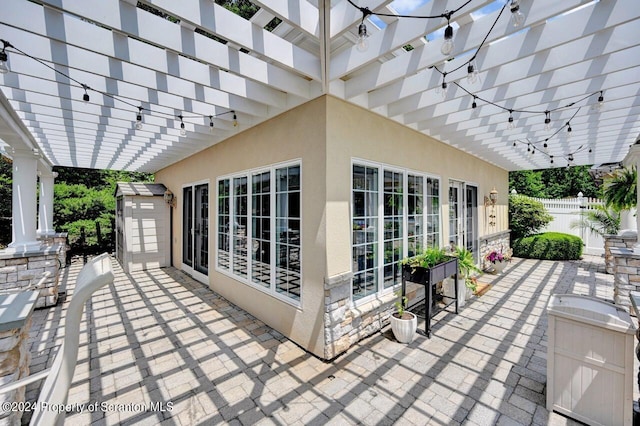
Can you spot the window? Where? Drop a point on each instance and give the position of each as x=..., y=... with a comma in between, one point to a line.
x=409, y=206
x=264, y=230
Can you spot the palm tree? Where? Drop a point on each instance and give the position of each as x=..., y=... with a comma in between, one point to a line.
x=600, y=220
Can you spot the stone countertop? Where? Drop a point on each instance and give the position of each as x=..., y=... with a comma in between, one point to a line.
x=10, y=253
x=16, y=308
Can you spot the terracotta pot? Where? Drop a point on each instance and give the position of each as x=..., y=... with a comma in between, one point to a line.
x=404, y=330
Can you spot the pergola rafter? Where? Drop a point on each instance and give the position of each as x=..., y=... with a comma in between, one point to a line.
x=207, y=61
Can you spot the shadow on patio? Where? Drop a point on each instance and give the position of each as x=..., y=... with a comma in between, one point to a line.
x=163, y=348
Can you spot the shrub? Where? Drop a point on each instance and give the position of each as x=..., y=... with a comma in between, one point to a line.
x=548, y=246
x=526, y=216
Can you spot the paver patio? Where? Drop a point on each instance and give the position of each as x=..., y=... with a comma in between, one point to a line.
x=160, y=337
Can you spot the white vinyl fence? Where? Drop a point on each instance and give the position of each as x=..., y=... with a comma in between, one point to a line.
x=566, y=211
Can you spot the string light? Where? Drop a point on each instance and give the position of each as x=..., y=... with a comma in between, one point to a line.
x=517, y=17
x=362, y=43
x=85, y=97
x=511, y=125
x=4, y=66
x=447, y=44
x=211, y=123
x=547, y=120
x=569, y=130
x=472, y=73
x=600, y=104
x=138, y=124
x=235, y=119
x=183, y=131
x=442, y=90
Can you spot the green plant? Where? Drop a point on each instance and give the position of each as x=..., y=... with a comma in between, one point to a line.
x=599, y=220
x=400, y=303
x=526, y=216
x=427, y=259
x=619, y=191
x=548, y=246
x=467, y=267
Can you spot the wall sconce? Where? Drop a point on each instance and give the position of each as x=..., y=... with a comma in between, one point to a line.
x=490, y=201
x=169, y=198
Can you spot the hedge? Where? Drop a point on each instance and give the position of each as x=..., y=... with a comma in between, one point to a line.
x=548, y=246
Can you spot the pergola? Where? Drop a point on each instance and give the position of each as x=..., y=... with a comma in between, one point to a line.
x=193, y=62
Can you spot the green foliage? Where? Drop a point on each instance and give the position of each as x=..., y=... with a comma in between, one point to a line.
x=84, y=198
x=599, y=220
x=619, y=191
x=554, y=183
x=467, y=267
x=526, y=216
x=427, y=259
x=5, y=208
x=548, y=246
x=400, y=303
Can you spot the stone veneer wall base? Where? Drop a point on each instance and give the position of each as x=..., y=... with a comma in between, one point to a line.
x=626, y=240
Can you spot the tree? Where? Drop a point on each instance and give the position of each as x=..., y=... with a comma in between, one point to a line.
x=600, y=221
x=554, y=183
x=526, y=216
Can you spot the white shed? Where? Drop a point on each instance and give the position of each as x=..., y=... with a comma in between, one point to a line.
x=142, y=226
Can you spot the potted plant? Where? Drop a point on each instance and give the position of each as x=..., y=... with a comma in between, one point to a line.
x=498, y=260
x=467, y=269
x=403, y=322
x=434, y=262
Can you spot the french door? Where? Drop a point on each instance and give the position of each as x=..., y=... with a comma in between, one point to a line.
x=463, y=216
x=195, y=230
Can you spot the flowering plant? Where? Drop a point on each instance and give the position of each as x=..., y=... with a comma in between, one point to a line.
x=499, y=256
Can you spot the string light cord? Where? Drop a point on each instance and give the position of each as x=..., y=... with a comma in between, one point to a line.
x=568, y=157
x=447, y=15
x=8, y=45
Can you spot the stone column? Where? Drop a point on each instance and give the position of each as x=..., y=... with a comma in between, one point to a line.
x=24, y=200
x=633, y=159
x=45, y=208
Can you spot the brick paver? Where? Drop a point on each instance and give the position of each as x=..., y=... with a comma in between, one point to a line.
x=158, y=347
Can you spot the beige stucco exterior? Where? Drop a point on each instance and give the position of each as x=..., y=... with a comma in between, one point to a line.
x=325, y=135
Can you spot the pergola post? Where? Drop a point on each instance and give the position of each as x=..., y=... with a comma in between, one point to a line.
x=45, y=207
x=24, y=200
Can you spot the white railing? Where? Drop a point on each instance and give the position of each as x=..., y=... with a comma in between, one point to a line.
x=567, y=210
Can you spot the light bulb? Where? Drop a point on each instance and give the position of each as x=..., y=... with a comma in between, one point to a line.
x=511, y=125
x=138, y=122
x=475, y=111
x=442, y=90
x=4, y=67
x=547, y=121
x=235, y=120
x=183, y=131
x=569, y=130
x=447, y=44
x=363, y=43
x=517, y=17
x=472, y=73
x=211, y=129
x=85, y=97
x=598, y=106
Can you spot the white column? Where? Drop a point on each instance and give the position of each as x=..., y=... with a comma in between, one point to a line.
x=633, y=159
x=45, y=207
x=24, y=200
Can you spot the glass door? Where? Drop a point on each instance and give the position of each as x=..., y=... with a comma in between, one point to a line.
x=456, y=221
x=471, y=219
x=195, y=230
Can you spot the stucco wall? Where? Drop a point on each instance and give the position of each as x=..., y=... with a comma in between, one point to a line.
x=297, y=134
x=355, y=132
x=326, y=134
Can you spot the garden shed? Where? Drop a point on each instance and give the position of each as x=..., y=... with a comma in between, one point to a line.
x=142, y=226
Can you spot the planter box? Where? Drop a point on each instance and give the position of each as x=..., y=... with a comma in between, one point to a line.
x=429, y=277
x=433, y=275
